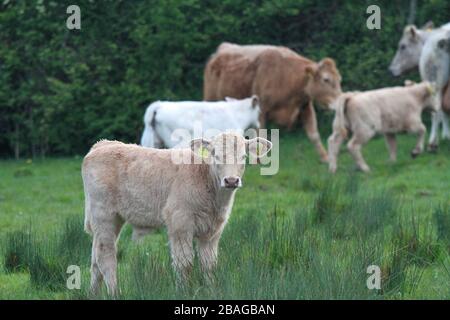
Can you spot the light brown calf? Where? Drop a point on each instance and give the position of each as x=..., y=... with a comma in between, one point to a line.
x=387, y=111
x=149, y=188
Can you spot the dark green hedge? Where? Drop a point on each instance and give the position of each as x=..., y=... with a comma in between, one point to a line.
x=61, y=90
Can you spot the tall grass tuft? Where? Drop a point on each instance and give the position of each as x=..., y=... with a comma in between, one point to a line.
x=442, y=221
x=17, y=251
x=47, y=257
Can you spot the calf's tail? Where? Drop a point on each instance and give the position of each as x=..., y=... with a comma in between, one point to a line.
x=339, y=106
x=148, y=136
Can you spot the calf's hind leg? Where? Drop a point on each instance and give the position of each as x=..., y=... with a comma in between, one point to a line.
x=334, y=145
x=104, y=255
x=391, y=143
x=354, y=147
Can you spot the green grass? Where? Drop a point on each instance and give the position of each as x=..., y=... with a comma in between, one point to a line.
x=301, y=234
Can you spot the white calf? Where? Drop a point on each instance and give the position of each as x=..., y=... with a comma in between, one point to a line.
x=174, y=124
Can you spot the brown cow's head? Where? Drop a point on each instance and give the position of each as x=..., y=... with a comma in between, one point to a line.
x=324, y=82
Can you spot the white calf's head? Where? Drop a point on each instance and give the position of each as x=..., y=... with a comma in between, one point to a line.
x=226, y=155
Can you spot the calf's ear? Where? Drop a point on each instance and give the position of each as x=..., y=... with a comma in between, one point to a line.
x=201, y=147
x=409, y=83
x=428, y=26
x=411, y=31
x=258, y=147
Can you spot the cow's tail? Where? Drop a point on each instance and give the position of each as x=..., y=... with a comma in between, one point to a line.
x=87, y=216
x=148, y=136
x=340, y=123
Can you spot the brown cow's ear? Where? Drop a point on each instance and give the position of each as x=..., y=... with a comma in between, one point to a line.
x=310, y=71
x=328, y=63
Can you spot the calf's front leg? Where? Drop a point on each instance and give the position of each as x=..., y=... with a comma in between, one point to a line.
x=421, y=130
x=208, y=252
x=182, y=251
x=354, y=147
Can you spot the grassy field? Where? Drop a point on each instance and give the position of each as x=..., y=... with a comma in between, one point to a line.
x=301, y=234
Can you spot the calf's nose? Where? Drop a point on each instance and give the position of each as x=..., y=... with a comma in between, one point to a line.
x=231, y=182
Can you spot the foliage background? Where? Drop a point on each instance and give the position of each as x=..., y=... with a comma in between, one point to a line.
x=61, y=90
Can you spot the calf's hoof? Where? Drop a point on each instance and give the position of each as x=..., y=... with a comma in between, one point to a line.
x=415, y=154
x=364, y=169
x=433, y=148
x=324, y=159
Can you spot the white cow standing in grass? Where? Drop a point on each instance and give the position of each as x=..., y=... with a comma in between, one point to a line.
x=421, y=47
x=174, y=124
x=147, y=188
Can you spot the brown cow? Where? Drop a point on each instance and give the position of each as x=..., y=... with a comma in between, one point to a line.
x=285, y=82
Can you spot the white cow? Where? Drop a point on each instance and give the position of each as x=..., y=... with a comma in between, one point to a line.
x=419, y=47
x=175, y=124
x=434, y=66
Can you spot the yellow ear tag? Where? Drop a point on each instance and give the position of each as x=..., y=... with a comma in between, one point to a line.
x=430, y=90
x=203, y=152
x=258, y=151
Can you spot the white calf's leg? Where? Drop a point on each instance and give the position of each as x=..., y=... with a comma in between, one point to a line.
x=434, y=139
x=139, y=233
x=334, y=145
x=445, y=126
x=420, y=131
x=96, y=275
x=182, y=251
x=354, y=147
x=105, y=256
x=391, y=143
x=208, y=252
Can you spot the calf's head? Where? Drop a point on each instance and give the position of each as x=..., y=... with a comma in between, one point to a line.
x=324, y=82
x=226, y=155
